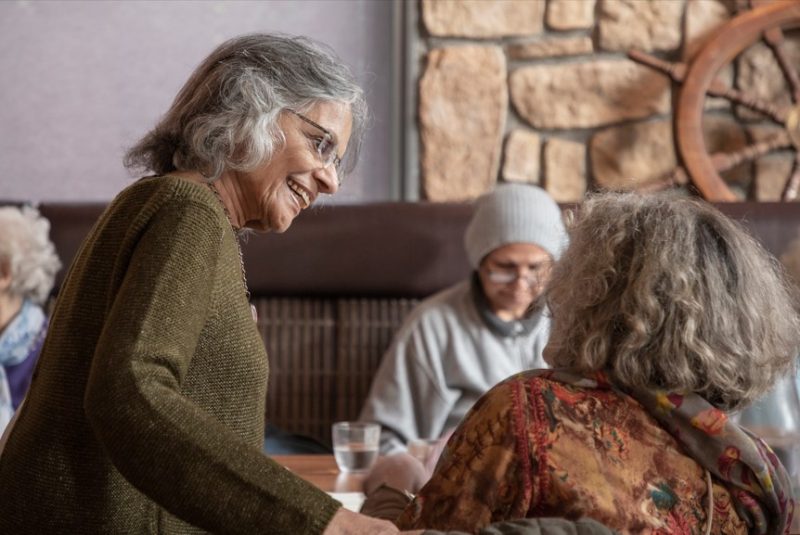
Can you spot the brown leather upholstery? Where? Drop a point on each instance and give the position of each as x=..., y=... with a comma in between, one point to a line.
x=333, y=289
x=70, y=223
x=386, y=250
x=775, y=224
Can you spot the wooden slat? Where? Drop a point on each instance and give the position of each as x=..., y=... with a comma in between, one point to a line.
x=323, y=354
x=299, y=337
x=365, y=330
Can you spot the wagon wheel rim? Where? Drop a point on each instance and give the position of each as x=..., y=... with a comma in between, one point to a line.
x=720, y=51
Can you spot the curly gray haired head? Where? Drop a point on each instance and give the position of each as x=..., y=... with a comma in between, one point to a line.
x=27, y=253
x=667, y=292
x=226, y=115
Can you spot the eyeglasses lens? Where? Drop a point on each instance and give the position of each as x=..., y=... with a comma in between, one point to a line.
x=533, y=278
x=327, y=153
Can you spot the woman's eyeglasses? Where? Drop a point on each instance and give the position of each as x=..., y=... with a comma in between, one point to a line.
x=534, y=277
x=325, y=146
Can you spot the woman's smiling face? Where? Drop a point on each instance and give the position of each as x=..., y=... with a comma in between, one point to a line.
x=291, y=180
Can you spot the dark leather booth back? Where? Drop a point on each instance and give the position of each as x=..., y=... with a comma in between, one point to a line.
x=373, y=250
x=332, y=290
x=383, y=249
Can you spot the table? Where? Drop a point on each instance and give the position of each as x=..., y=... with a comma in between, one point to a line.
x=322, y=472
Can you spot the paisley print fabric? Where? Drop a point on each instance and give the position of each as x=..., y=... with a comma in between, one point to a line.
x=547, y=443
x=759, y=484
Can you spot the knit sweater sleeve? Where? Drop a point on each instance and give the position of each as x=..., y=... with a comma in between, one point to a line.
x=176, y=453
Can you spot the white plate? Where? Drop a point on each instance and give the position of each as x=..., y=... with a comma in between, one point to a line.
x=350, y=500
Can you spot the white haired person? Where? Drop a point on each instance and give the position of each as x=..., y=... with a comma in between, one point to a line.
x=28, y=266
x=460, y=342
x=667, y=316
x=146, y=414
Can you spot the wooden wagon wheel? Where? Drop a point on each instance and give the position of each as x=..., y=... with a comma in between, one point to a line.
x=699, y=80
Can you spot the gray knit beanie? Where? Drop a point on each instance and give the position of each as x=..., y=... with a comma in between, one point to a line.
x=514, y=213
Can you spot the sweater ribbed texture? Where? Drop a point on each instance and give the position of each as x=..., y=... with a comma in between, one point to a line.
x=146, y=411
x=514, y=213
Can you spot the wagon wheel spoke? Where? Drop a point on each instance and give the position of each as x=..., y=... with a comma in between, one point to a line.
x=790, y=192
x=723, y=161
x=676, y=71
x=718, y=88
x=774, y=38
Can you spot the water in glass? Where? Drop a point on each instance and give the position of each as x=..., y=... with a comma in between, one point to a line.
x=355, y=445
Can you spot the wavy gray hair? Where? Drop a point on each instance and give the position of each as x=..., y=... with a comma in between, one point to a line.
x=666, y=292
x=27, y=252
x=226, y=115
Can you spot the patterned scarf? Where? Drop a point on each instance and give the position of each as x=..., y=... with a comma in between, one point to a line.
x=18, y=341
x=757, y=481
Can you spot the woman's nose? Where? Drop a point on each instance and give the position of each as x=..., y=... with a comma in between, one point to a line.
x=522, y=279
x=327, y=179
x=527, y=277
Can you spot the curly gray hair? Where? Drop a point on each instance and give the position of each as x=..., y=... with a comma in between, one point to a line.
x=27, y=253
x=226, y=115
x=666, y=292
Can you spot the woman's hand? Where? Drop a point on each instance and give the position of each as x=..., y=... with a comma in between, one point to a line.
x=400, y=471
x=346, y=522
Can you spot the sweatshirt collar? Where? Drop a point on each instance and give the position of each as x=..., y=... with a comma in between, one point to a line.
x=520, y=327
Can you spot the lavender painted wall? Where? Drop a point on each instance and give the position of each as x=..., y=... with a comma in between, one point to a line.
x=81, y=81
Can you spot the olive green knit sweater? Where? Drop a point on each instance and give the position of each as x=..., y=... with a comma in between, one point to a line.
x=146, y=411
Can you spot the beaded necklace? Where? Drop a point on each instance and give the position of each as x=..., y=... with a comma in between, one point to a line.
x=238, y=246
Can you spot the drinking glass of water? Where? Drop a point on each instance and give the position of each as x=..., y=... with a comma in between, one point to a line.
x=355, y=445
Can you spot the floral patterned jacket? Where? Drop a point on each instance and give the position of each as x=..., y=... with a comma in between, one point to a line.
x=535, y=446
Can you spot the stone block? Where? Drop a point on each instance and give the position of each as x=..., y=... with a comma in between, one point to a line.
x=644, y=25
x=760, y=74
x=570, y=14
x=463, y=103
x=723, y=134
x=629, y=156
x=587, y=94
x=482, y=19
x=703, y=17
x=521, y=161
x=772, y=172
x=565, y=169
x=634, y=155
x=549, y=48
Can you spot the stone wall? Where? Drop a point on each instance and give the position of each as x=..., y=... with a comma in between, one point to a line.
x=542, y=91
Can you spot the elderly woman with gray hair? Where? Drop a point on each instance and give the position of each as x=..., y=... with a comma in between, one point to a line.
x=28, y=266
x=666, y=316
x=146, y=414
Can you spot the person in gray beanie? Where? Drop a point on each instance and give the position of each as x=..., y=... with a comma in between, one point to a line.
x=457, y=344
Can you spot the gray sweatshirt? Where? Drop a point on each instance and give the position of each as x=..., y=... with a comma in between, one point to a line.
x=450, y=350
